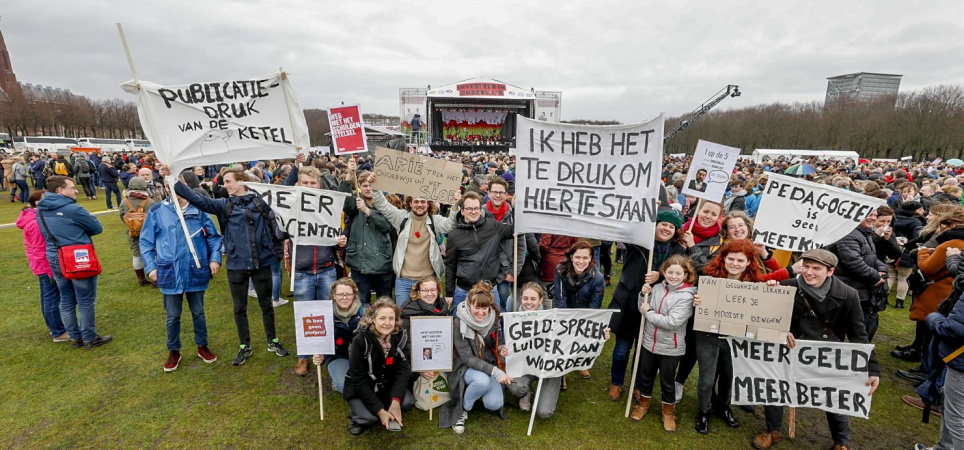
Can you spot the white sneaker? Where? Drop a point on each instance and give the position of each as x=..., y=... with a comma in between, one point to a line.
x=459, y=426
x=679, y=392
x=252, y=293
x=279, y=302
x=525, y=402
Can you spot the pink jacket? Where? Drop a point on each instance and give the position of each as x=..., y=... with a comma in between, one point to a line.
x=34, y=242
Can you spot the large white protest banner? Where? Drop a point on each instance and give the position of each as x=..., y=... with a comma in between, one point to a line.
x=314, y=327
x=597, y=181
x=554, y=342
x=431, y=344
x=830, y=376
x=736, y=308
x=797, y=215
x=221, y=122
x=311, y=216
x=710, y=170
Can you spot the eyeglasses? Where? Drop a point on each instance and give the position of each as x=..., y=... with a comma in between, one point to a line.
x=474, y=209
x=428, y=291
x=350, y=294
x=496, y=193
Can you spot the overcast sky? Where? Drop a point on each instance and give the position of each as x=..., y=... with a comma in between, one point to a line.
x=624, y=60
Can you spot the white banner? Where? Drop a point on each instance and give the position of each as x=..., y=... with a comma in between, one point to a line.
x=830, y=376
x=221, y=122
x=797, y=215
x=314, y=327
x=593, y=181
x=431, y=344
x=709, y=173
x=554, y=342
x=311, y=216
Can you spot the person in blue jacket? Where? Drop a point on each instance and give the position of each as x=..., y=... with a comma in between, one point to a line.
x=63, y=222
x=250, y=231
x=169, y=263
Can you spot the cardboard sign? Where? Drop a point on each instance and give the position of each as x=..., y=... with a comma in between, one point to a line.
x=311, y=216
x=417, y=176
x=554, y=342
x=798, y=215
x=752, y=310
x=314, y=327
x=602, y=180
x=431, y=344
x=709, y=174
x=347, y=130
x=221, y=122
x=829, y=376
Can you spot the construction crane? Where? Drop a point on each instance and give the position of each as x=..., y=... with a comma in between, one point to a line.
x=731, y=90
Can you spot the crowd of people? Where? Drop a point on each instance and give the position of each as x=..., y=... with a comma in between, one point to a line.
x=400, y=257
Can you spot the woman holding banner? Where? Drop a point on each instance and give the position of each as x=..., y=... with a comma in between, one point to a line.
x=425, y=301
x=532, y=300
x=735, y=261
x=702, y=233
x=578, y=282
x=346, y=306
x=376, y=387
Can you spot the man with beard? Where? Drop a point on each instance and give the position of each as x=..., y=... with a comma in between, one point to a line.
x=499, y=209
x=698, y=184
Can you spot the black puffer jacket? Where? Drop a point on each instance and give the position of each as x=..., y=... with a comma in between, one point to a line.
x=472, y=252
x=373, y=377
x=908, y=225
x=625, y=323
x=858, y=266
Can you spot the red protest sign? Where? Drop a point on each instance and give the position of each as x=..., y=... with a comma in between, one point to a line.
x=347, y=130
x=314, y=326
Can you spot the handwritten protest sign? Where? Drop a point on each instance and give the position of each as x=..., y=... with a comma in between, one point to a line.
x=798, y=215
x=221, y=122
x=311, y=216
x=601, y=179
x=554, y=342
x=314, y=327
x=347, y=130
x=417, y=175
x=753, y=310
x=710, y=170
x=431, y=344
x=829, y=376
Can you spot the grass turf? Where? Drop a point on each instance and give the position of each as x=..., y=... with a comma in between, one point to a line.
x=117, y=396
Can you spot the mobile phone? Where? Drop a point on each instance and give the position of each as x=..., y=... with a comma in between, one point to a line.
x=394, y=426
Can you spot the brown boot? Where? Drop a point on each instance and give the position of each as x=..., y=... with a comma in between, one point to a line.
x=841, y=447
x=302, y=368
x=141, y=280
x=766, y=439
x=615, y=392
x=669, y=417
x=642, y=407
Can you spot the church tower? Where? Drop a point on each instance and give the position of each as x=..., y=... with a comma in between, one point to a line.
x=8, y=80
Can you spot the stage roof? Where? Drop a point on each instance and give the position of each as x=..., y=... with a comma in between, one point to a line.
x=481, y=88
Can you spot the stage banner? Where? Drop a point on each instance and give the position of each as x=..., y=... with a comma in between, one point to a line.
x=710, y=170
x=798, y=215
x=830, y=376
x=417, y=176
x=221, y=122
x=314, y=327
x=347, y=130
x=554, y=342
x=593, y=181
x=310, y=216
x=431, y=344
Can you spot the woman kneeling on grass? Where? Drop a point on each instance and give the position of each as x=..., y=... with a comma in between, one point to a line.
x=376, y=387
x=347, y=307
x=664, y=338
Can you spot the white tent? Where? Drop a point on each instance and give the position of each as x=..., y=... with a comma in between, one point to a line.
x=760, y=153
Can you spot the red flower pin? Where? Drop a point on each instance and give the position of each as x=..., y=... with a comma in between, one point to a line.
x=339, y=341
x=389, y=361
x=418, y=235
x=436, y=310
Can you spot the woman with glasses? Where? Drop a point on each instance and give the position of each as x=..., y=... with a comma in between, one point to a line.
x=347, y=307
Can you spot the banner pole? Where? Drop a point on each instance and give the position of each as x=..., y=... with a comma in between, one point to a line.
x=127, y=50
x=693, y=221
x=321, y=398
x=430, y=414
x=294, y=251
x=639, y=339
x=793, y=423
x=180, y=215
x=515, y=273
x=535, y=405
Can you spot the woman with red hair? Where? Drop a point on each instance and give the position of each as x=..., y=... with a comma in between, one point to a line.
x=737, y=261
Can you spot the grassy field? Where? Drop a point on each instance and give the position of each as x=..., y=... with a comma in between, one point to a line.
x=117, y=396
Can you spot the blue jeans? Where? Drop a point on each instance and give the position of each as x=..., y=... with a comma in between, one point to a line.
x=337, y=369
x=24, y=193
x=276, y=281
x=480, y=385
x=504, y=289
x=112, y=187
x=403, y=288
x=50, y=305
x=77, y=298
x=620, y=360
x=460, y=295
x=314, y=286
x=379, y=283
x=172, y=305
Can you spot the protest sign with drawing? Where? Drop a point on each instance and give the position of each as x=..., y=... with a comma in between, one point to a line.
x=830, y=376
x=736, y=308
x=314, y=327
x=417, y=176
x=552, y=343
x=310, y=216
x=600, y=178
x=347, y=130
x=798, y=215
x=431, y=344
x=710, y=170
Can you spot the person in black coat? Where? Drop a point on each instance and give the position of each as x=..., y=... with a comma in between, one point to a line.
x=376, y=387
x=908, y=221
x=859, y=267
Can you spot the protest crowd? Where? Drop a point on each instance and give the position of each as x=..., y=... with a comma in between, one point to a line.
x=394, y=257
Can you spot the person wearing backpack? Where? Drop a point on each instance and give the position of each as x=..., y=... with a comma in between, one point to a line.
x=133, y=210
x=83, y=170
x=947, y=326
x=59, y=167
x=250, y=233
